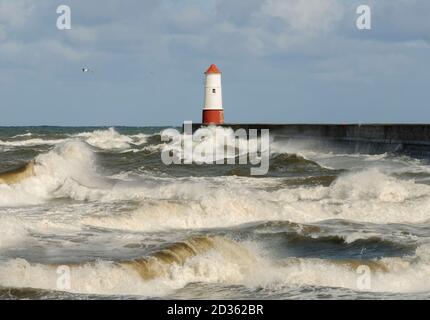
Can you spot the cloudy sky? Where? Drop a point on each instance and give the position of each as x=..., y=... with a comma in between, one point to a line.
x=282, y=61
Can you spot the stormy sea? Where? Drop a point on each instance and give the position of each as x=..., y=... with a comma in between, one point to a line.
x=94, y=213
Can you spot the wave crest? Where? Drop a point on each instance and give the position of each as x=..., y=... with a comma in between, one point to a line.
x=219, y=260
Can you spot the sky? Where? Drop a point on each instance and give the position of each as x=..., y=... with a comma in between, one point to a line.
x=283, y=61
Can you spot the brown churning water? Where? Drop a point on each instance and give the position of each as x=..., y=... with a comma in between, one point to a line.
x=19, y=174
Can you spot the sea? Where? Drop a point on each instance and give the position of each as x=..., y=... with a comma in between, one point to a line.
x=94, y=213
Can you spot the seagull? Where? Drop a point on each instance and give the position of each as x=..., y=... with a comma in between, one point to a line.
x=86, y=70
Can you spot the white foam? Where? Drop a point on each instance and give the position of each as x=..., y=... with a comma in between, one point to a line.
x=70, y=171
x=368, y=196
x=408, y=274
x=228, y=264
x=209, y=144
x=105, y=277
x=70, y=162
x=106, y=139
x=312, y=150
x=28, y=134
x=351, y=237
x=140, y=138
x=110, y=139
x=99, y=278
x=31, y=142
x=12, y=232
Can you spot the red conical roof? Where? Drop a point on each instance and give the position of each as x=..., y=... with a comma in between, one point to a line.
x=213, y=69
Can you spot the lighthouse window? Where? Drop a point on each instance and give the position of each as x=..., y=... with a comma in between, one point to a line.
x=213, y=90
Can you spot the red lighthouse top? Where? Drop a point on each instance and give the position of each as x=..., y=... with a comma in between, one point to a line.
x=212, y=69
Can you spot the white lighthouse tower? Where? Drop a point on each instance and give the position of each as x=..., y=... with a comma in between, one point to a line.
x=213, y=112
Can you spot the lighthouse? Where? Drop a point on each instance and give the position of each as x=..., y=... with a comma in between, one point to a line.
x=212, y=110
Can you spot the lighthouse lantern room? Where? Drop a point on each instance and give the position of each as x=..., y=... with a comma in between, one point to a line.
x=213, y=112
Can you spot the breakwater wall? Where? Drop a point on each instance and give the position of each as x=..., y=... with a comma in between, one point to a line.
x=378, y=137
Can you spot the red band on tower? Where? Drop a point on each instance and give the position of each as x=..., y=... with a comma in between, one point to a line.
x=213, y=116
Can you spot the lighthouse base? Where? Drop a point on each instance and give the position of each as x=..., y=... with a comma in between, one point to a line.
x=211, y=116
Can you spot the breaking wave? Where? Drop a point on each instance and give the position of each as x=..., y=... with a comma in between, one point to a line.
x=107, y=139
x=69, y=162
x=209, y=144
x=30, y=142
x=156, y=274
x=110, y=139
x=368, y=196
x=220, y=260
x=70, y=171
x=103, y=203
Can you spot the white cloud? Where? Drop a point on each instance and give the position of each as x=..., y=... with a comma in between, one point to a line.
x=306, y=16
x=16, y=13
